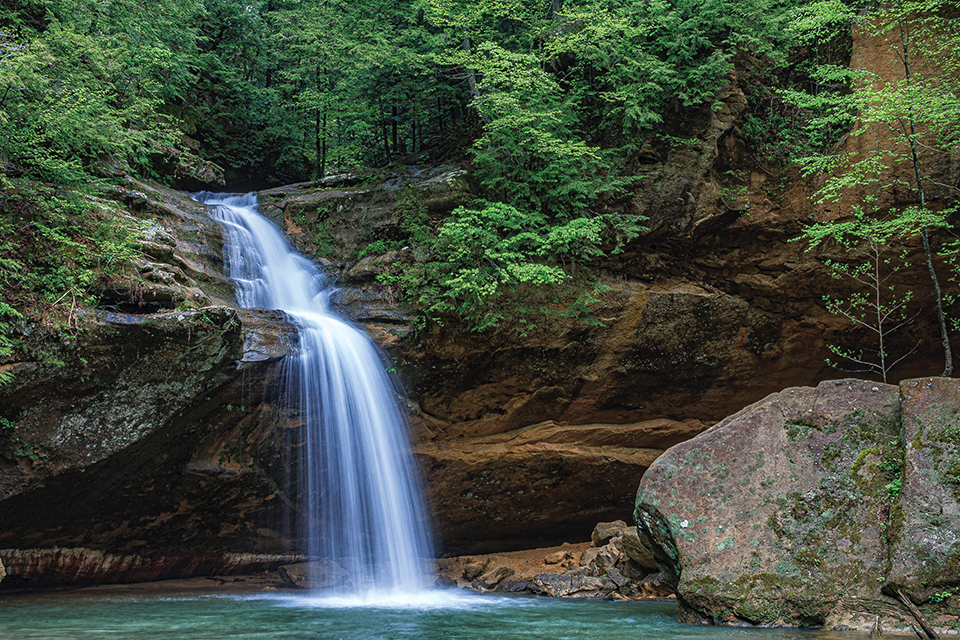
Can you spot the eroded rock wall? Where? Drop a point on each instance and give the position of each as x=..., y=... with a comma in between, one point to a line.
x=714, y=308
x=141, y=432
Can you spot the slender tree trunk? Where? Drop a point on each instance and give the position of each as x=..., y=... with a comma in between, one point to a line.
x=393, y=128
x=875, y=257
x=928, y=253
x=323, y=148
x=472, y=83
x=383, y=130
x=317, y=137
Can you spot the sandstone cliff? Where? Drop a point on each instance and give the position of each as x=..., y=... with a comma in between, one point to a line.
x=141, y=433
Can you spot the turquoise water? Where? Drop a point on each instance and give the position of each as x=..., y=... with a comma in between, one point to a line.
x=437, y=616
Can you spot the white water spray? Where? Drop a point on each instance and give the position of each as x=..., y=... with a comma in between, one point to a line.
x=362, y=498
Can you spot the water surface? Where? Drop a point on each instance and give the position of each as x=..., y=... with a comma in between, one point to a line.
x=432, y=615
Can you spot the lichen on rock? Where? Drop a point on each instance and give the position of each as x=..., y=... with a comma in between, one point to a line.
x=788, y=512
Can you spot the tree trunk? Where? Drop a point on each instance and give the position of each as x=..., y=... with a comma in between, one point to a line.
x=472, y=84
x=944, y=334
x=383, y=130
x=393, y=128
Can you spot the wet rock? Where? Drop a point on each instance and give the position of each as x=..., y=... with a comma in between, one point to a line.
x=604, y=531
x=512, y=584
x=616, y=577
x=638, y=550
x=445, y=582
x=571, y=586
x=926, y=526
x=586, y=570
x=267, y=336
x=312, y=575
x=40, y=568
x=653, y=586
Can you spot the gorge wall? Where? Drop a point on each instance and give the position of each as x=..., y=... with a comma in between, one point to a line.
x=150, y=437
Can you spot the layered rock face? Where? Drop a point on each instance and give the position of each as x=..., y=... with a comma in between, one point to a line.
x=813, y=507
x=144, y=433
x=713, y=309
x=538, y=485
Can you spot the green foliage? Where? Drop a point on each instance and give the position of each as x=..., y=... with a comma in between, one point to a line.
x=58, y=250
x=485, y=252
x=921, y=115
x=875, y=305
x=86, y=86
x=492, y=262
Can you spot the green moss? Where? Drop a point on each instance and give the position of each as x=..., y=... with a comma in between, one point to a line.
x=799, y=429
x=831, y=452
x=726, y=543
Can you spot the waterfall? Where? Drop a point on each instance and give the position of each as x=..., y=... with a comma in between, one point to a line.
x=361, y=508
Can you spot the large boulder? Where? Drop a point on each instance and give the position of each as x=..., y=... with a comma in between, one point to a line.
x=926, y=522
x=788, y=512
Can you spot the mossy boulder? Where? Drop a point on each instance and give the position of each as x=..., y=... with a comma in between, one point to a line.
x=926, y=558
x=777, y=512
x=814, y=507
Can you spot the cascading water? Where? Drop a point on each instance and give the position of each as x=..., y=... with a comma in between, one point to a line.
x=362, y=498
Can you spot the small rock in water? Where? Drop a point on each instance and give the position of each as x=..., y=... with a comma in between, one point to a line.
x=568, y=586
x=511, y=584
x=493, y=577
x=557, y=557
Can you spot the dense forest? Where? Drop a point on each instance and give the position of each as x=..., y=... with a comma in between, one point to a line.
x=551, y=105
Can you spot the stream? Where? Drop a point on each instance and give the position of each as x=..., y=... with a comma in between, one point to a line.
x=433, y=615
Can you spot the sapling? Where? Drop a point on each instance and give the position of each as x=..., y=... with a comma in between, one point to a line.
x=876, y=306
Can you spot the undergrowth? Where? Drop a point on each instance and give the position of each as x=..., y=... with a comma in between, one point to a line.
x=59, y=248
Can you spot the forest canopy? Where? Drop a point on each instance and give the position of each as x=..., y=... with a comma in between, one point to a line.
x=298, y=89
x=550, y=103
